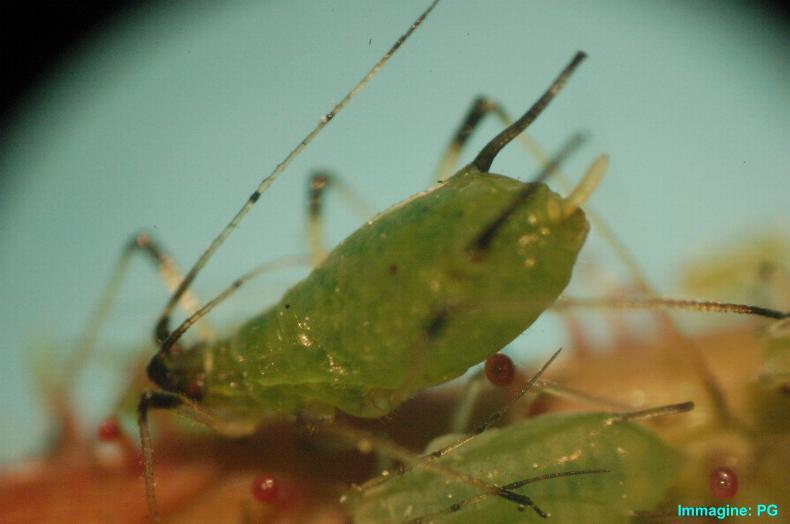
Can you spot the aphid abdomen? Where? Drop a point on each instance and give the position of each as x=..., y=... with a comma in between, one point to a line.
x=403, y=304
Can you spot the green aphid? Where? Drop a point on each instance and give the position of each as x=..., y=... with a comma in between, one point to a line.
x=545, y=456
x=407, y=289
x=412, y=299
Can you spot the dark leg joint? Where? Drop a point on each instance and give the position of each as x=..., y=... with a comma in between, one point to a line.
x=157, y=400
x=523, y=500
x=162, y=330
x=315, y=191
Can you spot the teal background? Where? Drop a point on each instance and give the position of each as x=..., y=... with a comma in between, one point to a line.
x=168, y=118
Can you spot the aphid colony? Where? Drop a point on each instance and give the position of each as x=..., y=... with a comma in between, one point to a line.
x=466, y=266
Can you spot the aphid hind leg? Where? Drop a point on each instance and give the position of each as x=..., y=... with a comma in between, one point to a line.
x=152, y=400
x=492, y=420
x=143, y=244
x=480, y=107
x=139, y=243
x=170, y=275
x=621, y=251
x=366, y=440
x=164, y=400
x=616, y=418
x=317, y=185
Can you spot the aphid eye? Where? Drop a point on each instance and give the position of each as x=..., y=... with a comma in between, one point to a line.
x=194, y=391
x=500, y=370
x=265, y=489
x=723, y=483
x=109, y=430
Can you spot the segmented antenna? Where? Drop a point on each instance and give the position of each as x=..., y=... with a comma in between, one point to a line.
x=162, y=330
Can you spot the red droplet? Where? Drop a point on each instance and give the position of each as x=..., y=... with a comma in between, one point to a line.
x=265, y=489
x=109, y=430
x=500, y=370
x=723, y=483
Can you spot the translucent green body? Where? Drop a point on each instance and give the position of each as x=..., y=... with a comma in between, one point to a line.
x=399, y=306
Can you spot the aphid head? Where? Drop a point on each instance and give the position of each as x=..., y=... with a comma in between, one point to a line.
x=180, y=372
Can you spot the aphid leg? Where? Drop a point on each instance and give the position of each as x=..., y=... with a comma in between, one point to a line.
x=558, y=390
x=162, y=328
x=614, y=419
x=714, y=389
x=480, y=107
x=138, y=243
x=463, y=412
x=498, y=414
x=317, y=185
x=152, y=400
x=171, y=276
x=458, y=506
x=171, y=401
x=693, y=352
x=368, y=441
x=493, y=419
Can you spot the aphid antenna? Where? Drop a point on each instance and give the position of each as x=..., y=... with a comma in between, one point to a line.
x=162, y=328
x=558, y=390
x=659, y=411
x=280, y=263
x=670, y=409
x=490, y=421
x=704, y=306
x=367, y=441
x=693, y=352
x=162, y=335
x=458, y=506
